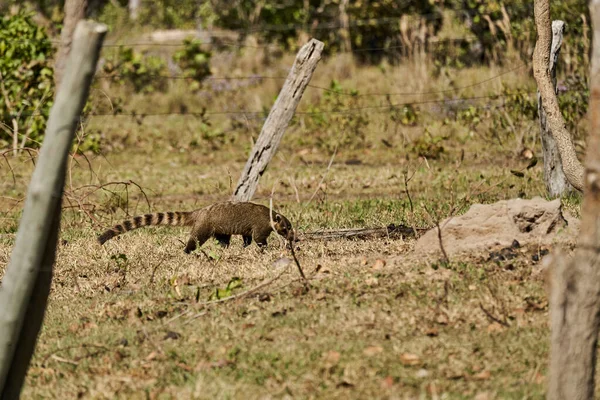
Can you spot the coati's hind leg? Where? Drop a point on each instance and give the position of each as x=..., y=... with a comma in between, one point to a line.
x=223, y=240
x=247, y=240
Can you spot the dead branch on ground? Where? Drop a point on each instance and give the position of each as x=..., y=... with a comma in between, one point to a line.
x=390, y=231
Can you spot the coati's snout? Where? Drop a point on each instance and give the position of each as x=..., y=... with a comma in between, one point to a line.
x=284, y=227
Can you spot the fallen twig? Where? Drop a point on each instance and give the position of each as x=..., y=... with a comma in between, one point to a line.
x=291, y=243
x=64, y=360
x=393, y=231
x=492, y=317
x=82, y=346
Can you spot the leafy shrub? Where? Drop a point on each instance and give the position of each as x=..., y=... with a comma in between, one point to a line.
x=373, y=24
x=170, y=14
x=514, y=117
x=573, y=99
x=498, y=24
x=405, y=114
x=26, y=80
x=194, y=62
x=428, y=145
x=520, y=103
x=90, y=142
x=207, y=138
x=335, y=127
x=455, y=53
x=495, y=24
x=469, y=117
x=520, y=108
x=143, y=72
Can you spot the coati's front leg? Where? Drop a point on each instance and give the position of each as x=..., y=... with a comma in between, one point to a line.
x=247, y=240
x=262, y=243
x=261, y=238
x=223, y=240
x=197, y=239
x=191, y=245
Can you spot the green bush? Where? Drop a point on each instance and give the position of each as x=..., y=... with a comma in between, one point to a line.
x=405, y=114
x=194, y=62
x=428, y=145
x=515, y=115
x=500, y=23
x=170, y=14
x=145, y=73
x=469, y=117
x=495, y=24
x=333, y=127
x=373, y=24
x=26, y=78
x=573, y=99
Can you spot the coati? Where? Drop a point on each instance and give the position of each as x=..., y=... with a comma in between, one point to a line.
x=219, y=220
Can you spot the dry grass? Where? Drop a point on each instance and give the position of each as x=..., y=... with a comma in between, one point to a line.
x=131, y=319
x=125, y=327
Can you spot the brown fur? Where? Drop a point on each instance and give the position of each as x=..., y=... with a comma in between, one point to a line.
x=220, y=220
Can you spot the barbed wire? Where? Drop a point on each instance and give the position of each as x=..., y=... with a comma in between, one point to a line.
x=183, y=77
x=336, y=25
x=325, y=89
x=390, y=47
x=308, y=113
x=456, y=89
x=407, y=104
x=204, y=112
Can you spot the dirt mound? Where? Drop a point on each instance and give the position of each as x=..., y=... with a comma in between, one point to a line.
x=488, y=226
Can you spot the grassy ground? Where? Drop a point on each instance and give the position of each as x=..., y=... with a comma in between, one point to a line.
x=137, y=318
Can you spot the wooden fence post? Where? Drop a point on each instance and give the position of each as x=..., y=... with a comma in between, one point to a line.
x=26, y=283
x=575, y=281
x=278, y=119
x=554, y=177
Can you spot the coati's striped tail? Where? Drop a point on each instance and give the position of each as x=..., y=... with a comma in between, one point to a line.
x=169, y=218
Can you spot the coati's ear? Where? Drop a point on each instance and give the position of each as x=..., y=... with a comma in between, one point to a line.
x=277, y=218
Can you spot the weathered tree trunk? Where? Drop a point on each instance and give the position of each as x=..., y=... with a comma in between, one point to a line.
x=571, y=166
x=575, y=282
x=278, y=119
x=26, y=283
x=556, y=182
x=134, y=9
x=75, y=11
x=345, y=27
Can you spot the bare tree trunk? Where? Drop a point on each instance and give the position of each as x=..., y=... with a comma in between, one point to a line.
x=134, y=9
x=345, y=27
x=556, y=182
x=26, y=283
x=75, y=11
x=278, y=119
x=40, y=17
x=571, y=166
x=575, y=282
